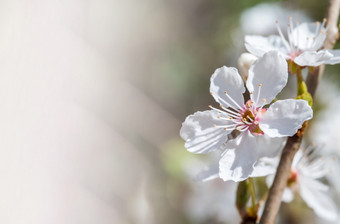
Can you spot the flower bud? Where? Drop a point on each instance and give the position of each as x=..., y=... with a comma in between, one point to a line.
x=244, y=63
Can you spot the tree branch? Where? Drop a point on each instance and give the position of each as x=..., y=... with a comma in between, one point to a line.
x=273, y=202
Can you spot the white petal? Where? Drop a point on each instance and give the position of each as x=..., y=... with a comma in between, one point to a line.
x=304, y=34
x=335, y=59
x=318, y=42
x=313, y=58
x=227, y=79
x=209, y=173
x=316, y=198
x=269, y=155
x=271, y=71
x=270, y=180
x=258, y=45
x=237, y=163
x=285, y=117
x=318, y=167
x=200, y=134
x=288, y=195
x=270, y=147
x=264, y=167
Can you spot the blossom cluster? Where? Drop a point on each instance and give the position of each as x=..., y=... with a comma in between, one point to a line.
x=250, y=124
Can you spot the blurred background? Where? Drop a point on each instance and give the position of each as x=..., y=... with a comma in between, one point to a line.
x=93, y=94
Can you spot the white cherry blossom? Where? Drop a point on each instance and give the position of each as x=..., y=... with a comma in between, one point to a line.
x=302, y=46
x=307, y=168
x=269, y=150
x=208, y=130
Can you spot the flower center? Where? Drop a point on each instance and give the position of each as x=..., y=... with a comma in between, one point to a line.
x=242, y=118
x=249, y=117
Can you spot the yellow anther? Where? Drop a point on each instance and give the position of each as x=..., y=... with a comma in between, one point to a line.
x=264, y=100
x=260, y=85
x=214, y=125
x=225, y=92
x=211, y=93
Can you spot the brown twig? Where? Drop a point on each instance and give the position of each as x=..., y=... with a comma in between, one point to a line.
x=293, y=143
x=280, y=181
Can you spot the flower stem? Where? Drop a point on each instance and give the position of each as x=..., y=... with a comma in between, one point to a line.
x=252, y=195
x=299, y=75
x=301, y=85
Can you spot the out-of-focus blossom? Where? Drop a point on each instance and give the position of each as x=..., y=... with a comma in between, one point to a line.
x=323, y=129
x=307, y=168
x=208, y=130
x=258, y=19
x=302, y=47
x=212, y=201
x=325, y=121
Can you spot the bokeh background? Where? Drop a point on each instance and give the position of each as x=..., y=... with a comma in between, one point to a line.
x=92, y=97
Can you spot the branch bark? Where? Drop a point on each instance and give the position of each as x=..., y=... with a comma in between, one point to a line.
x=273, y=202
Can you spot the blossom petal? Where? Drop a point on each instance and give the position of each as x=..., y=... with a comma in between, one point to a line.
x=269, y=155
x=199, y=132
x=259, y=45
x=318, y=167
x=288, y=195
x=335, y=59
x=227, y=79
x=314, y=194
x=270, y=147
x=237, y=163
x=307, y=36
x=271, y=72
x=285, y=117
x=313, y=58
x=209, y=173
x=264, y=167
